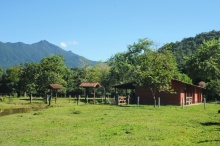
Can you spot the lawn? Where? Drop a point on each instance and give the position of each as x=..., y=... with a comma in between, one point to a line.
x=68, y=124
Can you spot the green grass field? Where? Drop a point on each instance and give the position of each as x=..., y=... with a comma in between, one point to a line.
x=67, y=124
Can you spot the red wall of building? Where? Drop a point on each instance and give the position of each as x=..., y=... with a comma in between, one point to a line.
x=174, y=98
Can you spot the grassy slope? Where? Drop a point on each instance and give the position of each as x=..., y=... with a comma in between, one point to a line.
x=68, y=124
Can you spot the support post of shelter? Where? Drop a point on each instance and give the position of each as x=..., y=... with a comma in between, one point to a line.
x=56, y=98
x=94, y=96
x=50, y=97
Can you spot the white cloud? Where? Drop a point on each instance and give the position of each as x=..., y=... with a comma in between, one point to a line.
x=75, y=43
x=63, y=44
x=66, y=44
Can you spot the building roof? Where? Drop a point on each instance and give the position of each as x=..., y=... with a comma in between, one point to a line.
x=90, y=85
x=188, y=83
x=132, y=86
x=54, y=86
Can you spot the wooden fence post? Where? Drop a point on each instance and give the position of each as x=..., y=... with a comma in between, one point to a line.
x=69, y=98
x=118, y=100
x=182, y=103
x=128, y=99
x=159, y=102
x=138, y=99
x=77, y=101
x=204, y=103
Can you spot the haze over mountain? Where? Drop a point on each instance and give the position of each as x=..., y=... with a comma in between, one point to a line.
x=12, y=54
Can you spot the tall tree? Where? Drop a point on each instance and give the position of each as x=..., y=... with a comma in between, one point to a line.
x=125, y=65
x=13, y=77
x=28, y=78
x=52, y=70
x=156, y=71
x=205, y=64
x=100, y=73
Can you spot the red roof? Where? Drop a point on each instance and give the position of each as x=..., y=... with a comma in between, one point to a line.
x=90, y=85
x=54, y=86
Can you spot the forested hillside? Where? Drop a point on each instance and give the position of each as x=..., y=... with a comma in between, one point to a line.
x=188, y=46
x=12, y=54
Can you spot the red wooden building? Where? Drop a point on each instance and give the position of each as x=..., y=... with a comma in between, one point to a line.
x=189, y=93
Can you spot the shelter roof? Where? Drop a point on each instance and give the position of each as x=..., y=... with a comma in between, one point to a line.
x=125, y=86
x=90, y=85
x=54, y=86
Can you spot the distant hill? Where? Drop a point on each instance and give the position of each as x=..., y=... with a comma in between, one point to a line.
x=12, y=54
x=188, y=46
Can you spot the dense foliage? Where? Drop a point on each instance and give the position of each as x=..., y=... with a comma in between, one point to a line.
x=188, y=46
x=204, y=65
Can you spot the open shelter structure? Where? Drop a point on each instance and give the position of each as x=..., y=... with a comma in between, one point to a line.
x=53, y=87
x=87, y=85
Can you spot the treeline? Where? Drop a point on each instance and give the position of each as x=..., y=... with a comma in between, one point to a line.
x=32, y=78
x=140, y=64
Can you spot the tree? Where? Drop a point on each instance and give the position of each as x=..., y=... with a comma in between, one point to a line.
x=13, y=77
x=213, y=90
x=52, y=70
x=157, y=69
x=28, y=78
x=100, y=73
x=205, y=64
x=125, y=65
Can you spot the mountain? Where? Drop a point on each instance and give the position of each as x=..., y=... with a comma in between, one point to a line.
x=12, y=54
x=188, y=46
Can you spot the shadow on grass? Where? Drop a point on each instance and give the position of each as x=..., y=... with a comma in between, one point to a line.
x=5, y=112
x=211, y=124
x=209, y=141
x=28, y=99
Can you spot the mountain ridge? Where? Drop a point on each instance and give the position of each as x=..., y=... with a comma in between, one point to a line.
x=12, y=54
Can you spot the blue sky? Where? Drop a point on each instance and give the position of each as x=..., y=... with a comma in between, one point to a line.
x=98, y=29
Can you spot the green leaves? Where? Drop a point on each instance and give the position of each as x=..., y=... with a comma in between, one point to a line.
x=205, y=64
x=157, y=70
x=146, y=67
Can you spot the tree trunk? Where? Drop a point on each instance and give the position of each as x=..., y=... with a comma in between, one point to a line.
x=104, y=96
x=155, y=102
x=154, y=97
